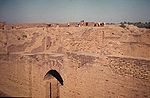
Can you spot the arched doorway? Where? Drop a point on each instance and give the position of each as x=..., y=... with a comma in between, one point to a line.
x=53, y=82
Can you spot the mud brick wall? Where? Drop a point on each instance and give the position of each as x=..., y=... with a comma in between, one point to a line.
x=23, y=75
x=99, y=77
x=130, y=66
x=15, y=80
x=104, y=62
x=124, y=42
x=24, y=40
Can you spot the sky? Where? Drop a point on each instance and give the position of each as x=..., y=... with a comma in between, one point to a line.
x=46, y=11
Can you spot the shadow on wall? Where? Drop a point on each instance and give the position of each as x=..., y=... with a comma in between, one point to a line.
x=52, y=86
x=55, y=74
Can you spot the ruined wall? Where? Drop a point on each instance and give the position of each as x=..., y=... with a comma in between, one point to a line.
x=104, y=77
x=94, y=62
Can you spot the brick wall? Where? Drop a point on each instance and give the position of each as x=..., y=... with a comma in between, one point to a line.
x=93, y=62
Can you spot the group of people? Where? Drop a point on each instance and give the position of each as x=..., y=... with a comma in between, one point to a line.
x=80, y=24
x=87, y=24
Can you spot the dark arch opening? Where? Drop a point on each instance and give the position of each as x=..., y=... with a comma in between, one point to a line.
x=55, y=74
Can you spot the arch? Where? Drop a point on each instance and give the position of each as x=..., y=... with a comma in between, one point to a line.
x=55, y=74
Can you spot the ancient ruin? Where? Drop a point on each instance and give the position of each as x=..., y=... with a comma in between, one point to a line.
x=94, y=61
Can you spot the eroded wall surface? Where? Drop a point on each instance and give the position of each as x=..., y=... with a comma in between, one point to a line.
x=94, y=62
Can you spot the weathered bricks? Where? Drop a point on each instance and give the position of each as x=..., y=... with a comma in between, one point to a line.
x=82, y=58
x=26, y=41
x=94, y=62
x=129, y=66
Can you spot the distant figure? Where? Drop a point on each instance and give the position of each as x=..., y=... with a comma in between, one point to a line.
x=49, y=25
x=102, y=24
x=82, y=21
x=86, y=23
x=13, y=27
x=98, y=23
x=57, y=25
x=78, y=25
x=68, y=25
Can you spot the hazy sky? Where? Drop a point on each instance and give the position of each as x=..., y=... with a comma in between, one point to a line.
x=17, y=11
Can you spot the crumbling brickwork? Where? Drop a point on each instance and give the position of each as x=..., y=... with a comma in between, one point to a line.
x=94, y=62
x=136, y=68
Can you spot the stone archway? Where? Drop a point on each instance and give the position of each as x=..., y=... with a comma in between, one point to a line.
x=53, y=82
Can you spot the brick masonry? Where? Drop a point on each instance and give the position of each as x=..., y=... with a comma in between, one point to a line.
x=94, y=62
